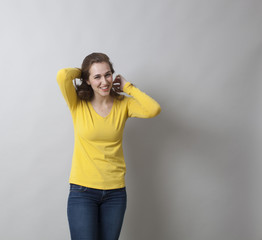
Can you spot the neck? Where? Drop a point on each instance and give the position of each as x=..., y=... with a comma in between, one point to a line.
x=99, y=100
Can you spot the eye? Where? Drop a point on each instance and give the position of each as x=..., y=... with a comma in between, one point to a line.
x=108, y=75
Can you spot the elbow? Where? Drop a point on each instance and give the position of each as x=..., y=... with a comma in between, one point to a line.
x=61, y=74
x=156, y=111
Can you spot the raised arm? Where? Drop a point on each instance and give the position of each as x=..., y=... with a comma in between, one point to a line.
x=140, y=104
x=65, y=81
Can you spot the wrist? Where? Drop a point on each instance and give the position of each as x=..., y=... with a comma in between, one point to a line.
x=126, y=86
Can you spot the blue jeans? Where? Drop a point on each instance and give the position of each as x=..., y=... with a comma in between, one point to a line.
x=95, y=214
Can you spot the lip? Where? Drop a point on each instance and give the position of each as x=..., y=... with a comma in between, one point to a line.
x=106, y=89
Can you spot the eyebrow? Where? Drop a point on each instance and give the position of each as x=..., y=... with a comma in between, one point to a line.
x=98, y=75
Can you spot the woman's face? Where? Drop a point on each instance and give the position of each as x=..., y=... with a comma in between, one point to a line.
x=100, y=79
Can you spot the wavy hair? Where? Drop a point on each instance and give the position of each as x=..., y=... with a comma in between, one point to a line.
x=85, y=91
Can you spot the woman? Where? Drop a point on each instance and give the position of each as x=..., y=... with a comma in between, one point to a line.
x=97, y=198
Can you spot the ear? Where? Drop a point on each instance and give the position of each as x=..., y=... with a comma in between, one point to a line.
x=88, y=82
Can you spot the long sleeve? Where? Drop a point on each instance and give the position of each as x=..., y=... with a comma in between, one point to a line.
x=65, y=81
x=140, y=105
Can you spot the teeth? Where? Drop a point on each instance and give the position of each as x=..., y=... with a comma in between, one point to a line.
x=104, y=87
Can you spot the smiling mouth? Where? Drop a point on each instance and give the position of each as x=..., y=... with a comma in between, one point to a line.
x=104, y=88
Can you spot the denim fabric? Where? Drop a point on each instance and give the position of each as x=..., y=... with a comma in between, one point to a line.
x=95, y=214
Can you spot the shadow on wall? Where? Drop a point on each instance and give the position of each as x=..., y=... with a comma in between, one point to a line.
x=144, y=141
x=183, y=175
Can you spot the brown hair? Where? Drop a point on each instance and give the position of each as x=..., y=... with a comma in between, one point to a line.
x=85, y=91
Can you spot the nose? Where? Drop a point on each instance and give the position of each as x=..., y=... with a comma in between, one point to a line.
x=104, y=80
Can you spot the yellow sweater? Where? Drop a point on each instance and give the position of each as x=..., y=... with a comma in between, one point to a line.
x=98, y=160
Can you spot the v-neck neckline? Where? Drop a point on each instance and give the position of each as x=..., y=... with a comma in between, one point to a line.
x=90, y=104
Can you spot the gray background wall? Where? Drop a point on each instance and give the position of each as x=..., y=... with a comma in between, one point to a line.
x=194, y=172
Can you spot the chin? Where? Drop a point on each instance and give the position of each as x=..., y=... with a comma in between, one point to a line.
x=104, y=93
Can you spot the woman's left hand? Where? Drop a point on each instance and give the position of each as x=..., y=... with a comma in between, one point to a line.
x=119, y=83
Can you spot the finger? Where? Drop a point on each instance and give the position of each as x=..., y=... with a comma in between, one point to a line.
x=117, y=79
